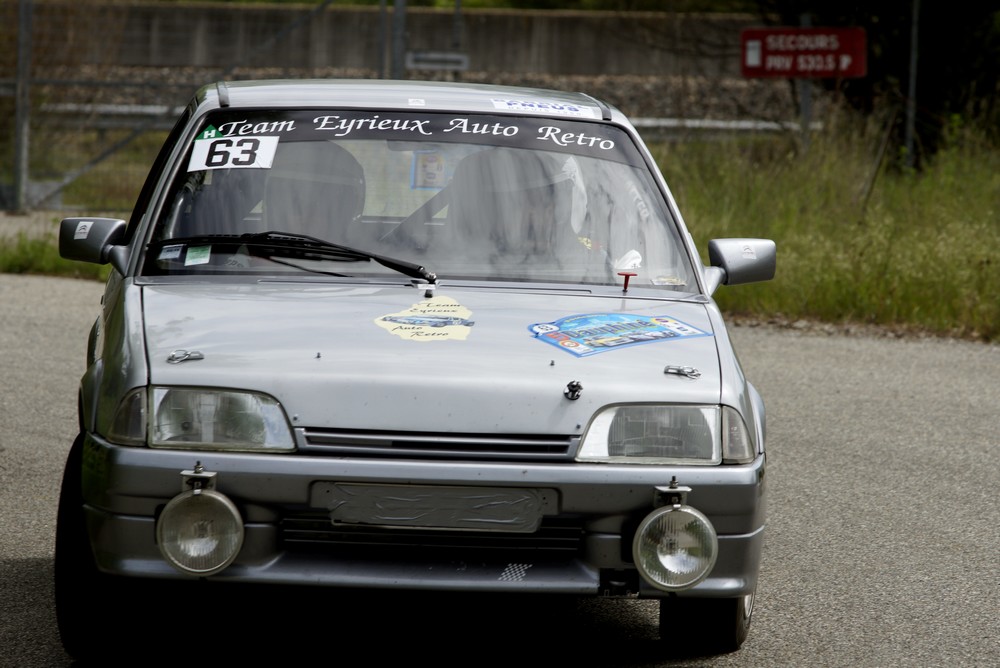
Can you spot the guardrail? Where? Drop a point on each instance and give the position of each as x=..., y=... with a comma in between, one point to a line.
x=663, y=129
x=113, y=116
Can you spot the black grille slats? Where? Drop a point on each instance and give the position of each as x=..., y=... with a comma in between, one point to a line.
x=347, y=443
x=557, y=538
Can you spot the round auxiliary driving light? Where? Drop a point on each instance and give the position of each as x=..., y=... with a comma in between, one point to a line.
x=675, y=547
x=200, y=533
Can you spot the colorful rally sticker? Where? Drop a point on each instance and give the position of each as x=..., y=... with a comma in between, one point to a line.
x=210, y=152
x=434, y=319
x=584, y=335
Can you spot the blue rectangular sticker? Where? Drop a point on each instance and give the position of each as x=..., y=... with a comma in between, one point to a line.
x=584, y=335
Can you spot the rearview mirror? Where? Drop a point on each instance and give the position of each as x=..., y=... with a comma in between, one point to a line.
x=93, y=240
x=741, y=261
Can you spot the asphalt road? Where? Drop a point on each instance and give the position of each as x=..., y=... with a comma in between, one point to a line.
x=882, y=549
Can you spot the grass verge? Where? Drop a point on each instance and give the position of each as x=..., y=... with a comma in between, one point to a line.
x=39, y=254
x=857, y=242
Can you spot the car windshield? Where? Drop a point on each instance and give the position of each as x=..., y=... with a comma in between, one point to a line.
x=460, y=196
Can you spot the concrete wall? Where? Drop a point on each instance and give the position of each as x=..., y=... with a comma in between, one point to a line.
x=294, y=36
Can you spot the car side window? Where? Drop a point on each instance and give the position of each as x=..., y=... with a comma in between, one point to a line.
x=156, y=170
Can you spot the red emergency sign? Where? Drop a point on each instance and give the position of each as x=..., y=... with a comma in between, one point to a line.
x=798, y=53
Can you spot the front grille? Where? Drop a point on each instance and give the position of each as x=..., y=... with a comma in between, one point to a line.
x=423, y=445
x=556, y=538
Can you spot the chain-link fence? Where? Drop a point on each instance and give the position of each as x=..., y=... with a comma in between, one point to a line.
x=86, y=104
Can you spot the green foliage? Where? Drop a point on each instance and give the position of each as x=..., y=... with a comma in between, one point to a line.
x=921, y=252
x=34, y=254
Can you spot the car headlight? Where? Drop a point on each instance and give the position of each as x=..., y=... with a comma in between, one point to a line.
x=667, y=434
x=201, y=419
x=211, y=419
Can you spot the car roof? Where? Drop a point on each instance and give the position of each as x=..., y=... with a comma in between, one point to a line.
x=402, y=95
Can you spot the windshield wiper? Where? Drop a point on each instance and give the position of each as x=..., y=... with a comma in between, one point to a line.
x=294, y=241
x=301, y=246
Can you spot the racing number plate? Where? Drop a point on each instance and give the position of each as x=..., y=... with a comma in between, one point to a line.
x=429, y=507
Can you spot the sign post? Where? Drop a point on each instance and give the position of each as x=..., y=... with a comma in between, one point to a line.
x=803, y=53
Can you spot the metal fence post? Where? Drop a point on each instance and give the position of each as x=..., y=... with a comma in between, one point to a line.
x=911, y=94
x=22, y=105
x=398, y=38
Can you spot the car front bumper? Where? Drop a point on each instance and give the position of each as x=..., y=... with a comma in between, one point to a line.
x=598, y=506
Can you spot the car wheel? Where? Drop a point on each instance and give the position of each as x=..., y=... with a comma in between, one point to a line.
x=706, y=625
x=82, y=593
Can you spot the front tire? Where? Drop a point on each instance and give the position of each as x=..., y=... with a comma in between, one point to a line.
x=706, y=625
x=82, y=593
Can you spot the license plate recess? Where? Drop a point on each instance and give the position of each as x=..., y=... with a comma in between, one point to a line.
x=511, y=510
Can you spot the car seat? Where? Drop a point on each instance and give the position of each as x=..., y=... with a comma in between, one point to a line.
x=220, y=201
x=514, y=206
x=315, y=188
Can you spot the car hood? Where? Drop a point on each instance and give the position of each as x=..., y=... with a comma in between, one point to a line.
x=467, y=360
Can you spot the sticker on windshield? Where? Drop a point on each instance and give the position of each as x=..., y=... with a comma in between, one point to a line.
x=584, y=335
x=198, y=255
x=553, y=108
x=250, y=139
x=170, y=252
x=434, y=319
x=429, y=170
x=211, y=152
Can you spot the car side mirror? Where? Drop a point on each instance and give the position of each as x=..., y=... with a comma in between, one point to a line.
x=737, y=261
x=97, y=240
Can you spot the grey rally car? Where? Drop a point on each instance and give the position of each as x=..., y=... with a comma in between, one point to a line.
x=417, y=336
